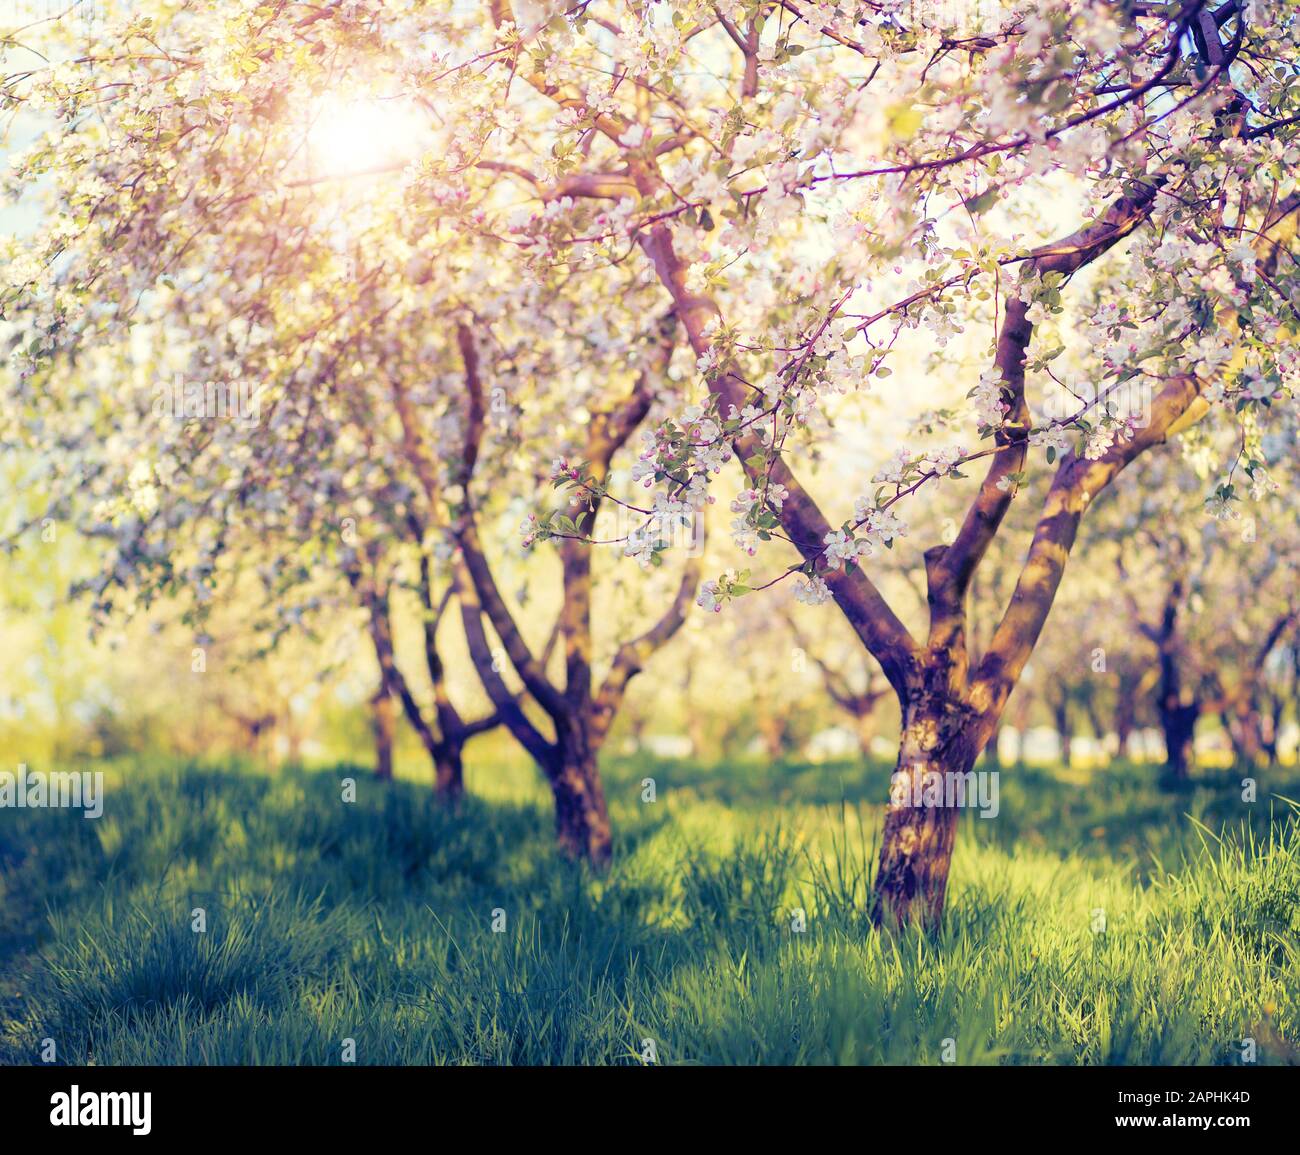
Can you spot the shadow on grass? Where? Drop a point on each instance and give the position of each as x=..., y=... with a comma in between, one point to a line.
x=427, y=935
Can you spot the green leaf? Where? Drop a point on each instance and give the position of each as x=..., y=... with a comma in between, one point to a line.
x=982, y=203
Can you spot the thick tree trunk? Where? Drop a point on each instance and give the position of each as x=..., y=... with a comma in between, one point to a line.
x=1178, y=721
x=991, y=755
x=581, y=817
x=383, y=718
x=1179, y=708
x=448, y=773
x=939, y=739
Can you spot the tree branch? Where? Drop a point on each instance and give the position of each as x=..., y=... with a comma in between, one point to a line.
x=952, y=572
x=861, y=602
x=632, y=656
x=1078, y=480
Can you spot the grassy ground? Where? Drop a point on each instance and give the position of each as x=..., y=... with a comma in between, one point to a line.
x=373, y=921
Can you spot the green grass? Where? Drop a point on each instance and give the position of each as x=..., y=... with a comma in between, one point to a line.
x=373, y=921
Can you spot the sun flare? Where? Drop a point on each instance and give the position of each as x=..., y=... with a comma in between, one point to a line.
x=365, y=134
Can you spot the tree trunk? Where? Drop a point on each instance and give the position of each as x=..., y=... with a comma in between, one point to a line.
x=382, y=721
x=448, y=773
x=1234, y=740
x=939, y=737
x=1098, y=726
x=636, y=728
x=1178, y=721
x=1125, y=717
x=1245, y=727
x=581, y=817
x=1274, y=730
x=1178, y=708
x=1021, y=710
x=1061, y=716
x=991, y=754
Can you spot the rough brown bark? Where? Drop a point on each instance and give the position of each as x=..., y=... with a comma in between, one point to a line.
x=941, y=733
x=939, y=736
x=992, y=752
x=582, y=827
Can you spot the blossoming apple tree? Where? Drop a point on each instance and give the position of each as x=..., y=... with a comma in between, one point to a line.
x=403, y=370
x=806, y=185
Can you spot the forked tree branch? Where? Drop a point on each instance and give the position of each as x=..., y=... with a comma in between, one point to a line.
x=1076, y=483
x=952, y=573
x=507, y=705
x=871, y=617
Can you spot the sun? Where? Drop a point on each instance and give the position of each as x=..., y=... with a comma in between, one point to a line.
x=361, y=135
